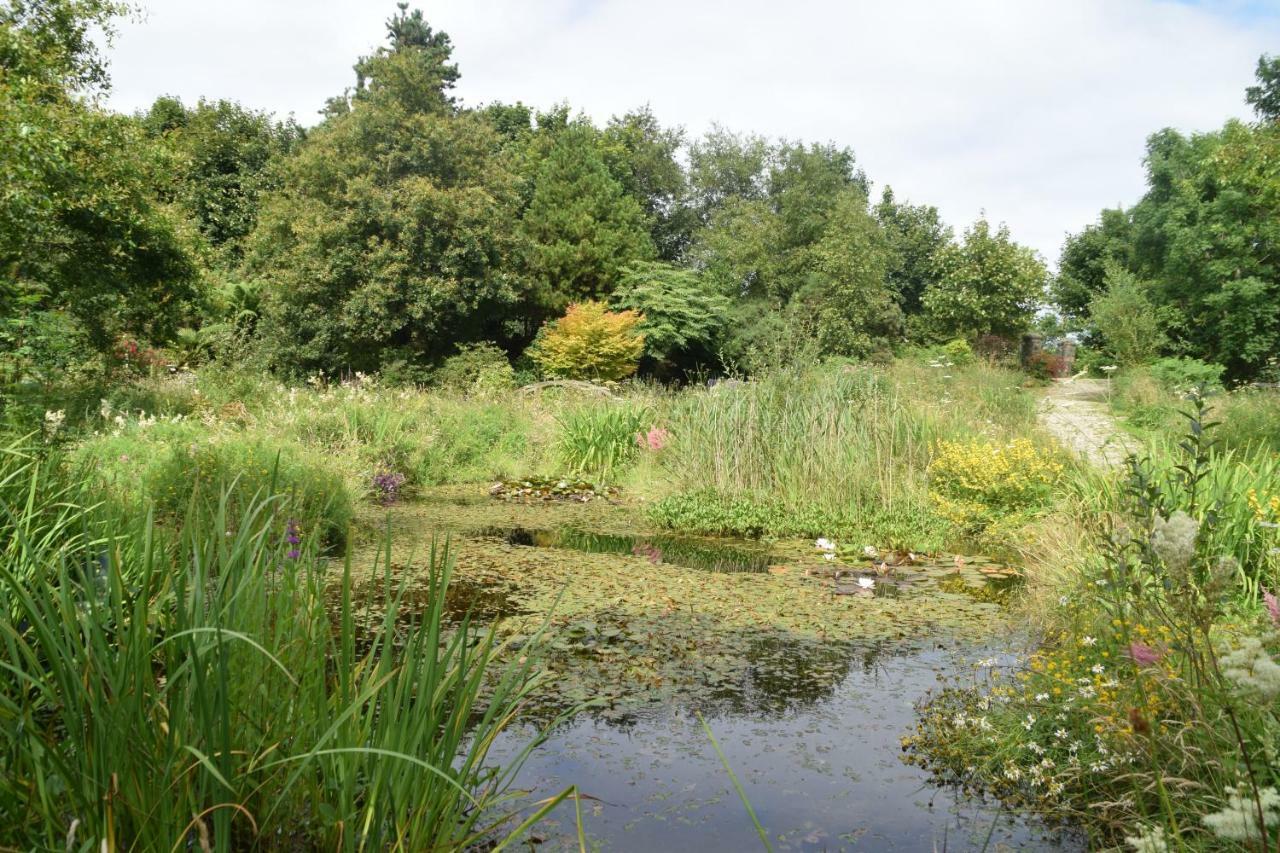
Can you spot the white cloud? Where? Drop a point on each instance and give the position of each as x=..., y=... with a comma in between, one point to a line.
x=1034, y=110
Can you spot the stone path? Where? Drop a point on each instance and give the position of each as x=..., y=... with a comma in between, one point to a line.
x=1075, y=412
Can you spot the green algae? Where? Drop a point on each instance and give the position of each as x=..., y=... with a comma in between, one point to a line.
x=626, y=632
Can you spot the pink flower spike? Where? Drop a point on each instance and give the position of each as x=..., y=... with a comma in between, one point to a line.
x=1273, y=607
x=1144, y=655
x=655, y=440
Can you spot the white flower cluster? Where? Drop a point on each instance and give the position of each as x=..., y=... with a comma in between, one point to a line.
x=1150, y=839
x=1251, y=668
x=1238, y=819
x=1174, y=539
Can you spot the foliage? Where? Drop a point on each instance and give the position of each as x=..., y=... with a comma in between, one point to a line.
x=581, y=226
x=1186, y=374
x=80, y=233
x=643, y=157
x=600, y=441
x=916, y=235
x=683, y=316
x=1150, y=708
x=394, y=232
x=220, y=153
x=985, y=285
x=1198, y=239
x=481, y=367
x=365, y=725
x=590, y=342
x=1125, y=319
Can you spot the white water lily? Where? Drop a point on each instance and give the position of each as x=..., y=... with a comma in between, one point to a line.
x=829, y=556
x=825, y=544
x=867, y=583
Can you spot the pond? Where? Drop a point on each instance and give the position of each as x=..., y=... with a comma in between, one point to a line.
x=807, y=671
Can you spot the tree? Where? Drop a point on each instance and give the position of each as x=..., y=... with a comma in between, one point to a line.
x=1126, y=319
x=581, y=226
x=846, y=299
x=1085, y=258
x=80, y=233
x=394, y=234
x=221, y=152
x=642, y=156
x=915, y=235
x=1265, y=97
x=683, y=315
x=986, y=285
x=590, y=342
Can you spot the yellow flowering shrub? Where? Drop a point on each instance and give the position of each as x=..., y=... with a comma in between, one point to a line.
x=590, y=342
x=974, y=484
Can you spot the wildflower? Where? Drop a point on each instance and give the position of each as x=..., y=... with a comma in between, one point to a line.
x=1144, y=655
x=1060, y=734
x=1251, y=668
x=1174, y=539
x=386, y=486
x=1098, y=669
x=654, y=440
x=1238, y=819
x=1150, y=839
x=53, y=423
x=1089, y=641
x=1042, y=697
x=1029, y=722
x=293, y=535
x=1273, y=607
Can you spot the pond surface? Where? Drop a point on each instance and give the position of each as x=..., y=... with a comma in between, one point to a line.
x=806, y=669
x=822, y=773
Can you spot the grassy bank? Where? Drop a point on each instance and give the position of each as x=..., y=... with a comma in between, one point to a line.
x=835, y=451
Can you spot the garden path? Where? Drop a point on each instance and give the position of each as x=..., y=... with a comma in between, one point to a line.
x=1075, y=412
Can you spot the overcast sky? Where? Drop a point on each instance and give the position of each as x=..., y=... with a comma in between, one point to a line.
x=1035, y=111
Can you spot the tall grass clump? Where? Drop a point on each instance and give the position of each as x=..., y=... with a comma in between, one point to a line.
x=600, y=440
x=850, y=445
x=216, y=687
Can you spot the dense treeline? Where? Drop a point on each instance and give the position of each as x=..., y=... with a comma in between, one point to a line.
x=1192, y=269
x=407, y=226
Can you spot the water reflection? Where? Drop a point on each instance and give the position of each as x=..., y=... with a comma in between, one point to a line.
x=688, y=552
x=822, y=774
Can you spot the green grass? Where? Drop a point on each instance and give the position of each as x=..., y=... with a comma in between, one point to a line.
x=195, y=686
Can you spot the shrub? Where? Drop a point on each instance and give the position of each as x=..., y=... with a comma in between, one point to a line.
x=1126, y=318
x=974, y=485
x=479, y=367
x=958, y=352
x=1181, y=375
x=590, y=342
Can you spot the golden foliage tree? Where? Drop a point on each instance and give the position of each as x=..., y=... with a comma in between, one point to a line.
x=590, y=342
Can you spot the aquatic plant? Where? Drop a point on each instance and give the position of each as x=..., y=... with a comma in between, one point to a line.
x=215, y=699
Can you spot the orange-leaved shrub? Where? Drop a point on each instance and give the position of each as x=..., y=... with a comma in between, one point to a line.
x=590, y=342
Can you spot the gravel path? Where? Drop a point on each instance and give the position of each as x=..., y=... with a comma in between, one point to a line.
x=1074, y=411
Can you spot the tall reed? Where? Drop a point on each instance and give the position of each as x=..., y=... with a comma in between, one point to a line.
x=219, y=690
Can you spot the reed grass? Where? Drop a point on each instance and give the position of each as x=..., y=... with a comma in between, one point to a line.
x=199, y=688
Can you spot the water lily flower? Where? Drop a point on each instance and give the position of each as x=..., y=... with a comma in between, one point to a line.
x=828, y=556
x=870, y=552
x=867, y=583
x=825, y=545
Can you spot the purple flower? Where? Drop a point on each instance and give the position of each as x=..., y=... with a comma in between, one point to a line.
x=293, y=536
x=1144, y=655
x=386, y=486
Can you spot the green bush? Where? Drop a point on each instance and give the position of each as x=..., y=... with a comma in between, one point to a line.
x=1181, y=375
x=481, y=367
x=958, y=352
